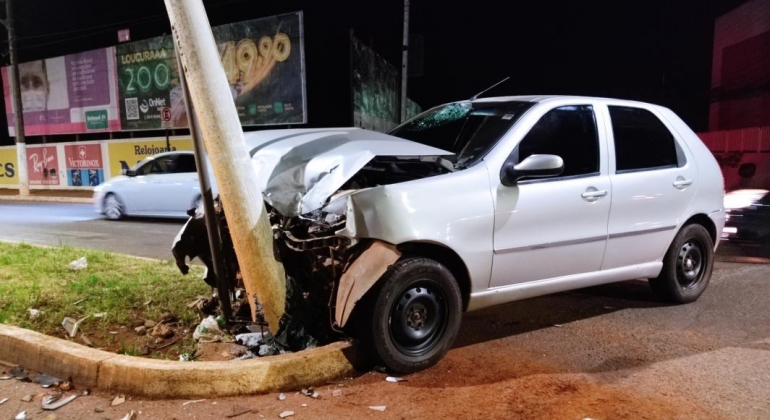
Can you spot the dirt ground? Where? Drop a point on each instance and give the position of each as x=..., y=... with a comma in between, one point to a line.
x=609, y=352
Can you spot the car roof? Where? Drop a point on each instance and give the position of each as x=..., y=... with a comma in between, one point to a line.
x=550, y=98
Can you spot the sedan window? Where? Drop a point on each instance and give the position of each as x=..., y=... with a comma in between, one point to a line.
x=568, y=132
x=641, y=140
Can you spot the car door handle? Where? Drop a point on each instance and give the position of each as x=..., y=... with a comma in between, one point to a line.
x=682, y=183
x=593, y=195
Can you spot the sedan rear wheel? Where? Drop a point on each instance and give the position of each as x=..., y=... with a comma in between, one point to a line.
x=687, y=266
x=113, y=207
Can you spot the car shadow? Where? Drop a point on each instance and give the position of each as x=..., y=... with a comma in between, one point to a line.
x=534, y=314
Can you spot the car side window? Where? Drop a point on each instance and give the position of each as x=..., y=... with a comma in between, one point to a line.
x=157, y=166
x=642, y=142
x=185, y=163
x=568, y=132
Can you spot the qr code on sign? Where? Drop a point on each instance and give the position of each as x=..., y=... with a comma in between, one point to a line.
x=132, y=109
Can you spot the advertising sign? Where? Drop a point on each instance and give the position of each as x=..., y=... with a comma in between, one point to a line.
x=263, y=60
x=8, y=164
x=84, y=165
x=76, y=93
x=125, y=154
x=376, y=90
x=42, y=165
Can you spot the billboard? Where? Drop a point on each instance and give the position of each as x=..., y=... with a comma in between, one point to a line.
x=42, y=165
x=84, y=165
x=76, y=93
x=125, y=154
x=8, y=164
x=263, y=60
x=376, y=91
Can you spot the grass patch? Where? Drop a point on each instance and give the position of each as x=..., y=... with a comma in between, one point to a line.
x=119, y=286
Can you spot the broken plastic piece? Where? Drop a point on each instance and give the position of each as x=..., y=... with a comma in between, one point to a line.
x=52, y=402
x=129, y=416
x=21, y=416
x=337, y=393
x=192, y=402
x=100, y=315
x=79, y=264
x=19, y=373
x=282, y=397
x=72, y=326
x=394, y=379
x=3, y=401
x=377, y=407
x=46, y=380
x=120, y=399
x=286, y=414
x=34, y=313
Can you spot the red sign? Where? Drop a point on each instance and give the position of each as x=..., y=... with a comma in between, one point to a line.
x=83, y=156
x=42, y=165
x=165, y=114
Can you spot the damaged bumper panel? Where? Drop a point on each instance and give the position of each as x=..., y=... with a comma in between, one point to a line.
x=308, y=177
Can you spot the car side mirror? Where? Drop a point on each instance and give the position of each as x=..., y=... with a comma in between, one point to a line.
x=534, y=166
x=130, y=172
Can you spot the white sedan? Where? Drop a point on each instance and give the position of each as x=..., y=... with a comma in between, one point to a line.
x=163, y=185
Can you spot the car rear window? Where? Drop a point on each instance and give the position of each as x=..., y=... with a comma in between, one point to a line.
x=642, y=142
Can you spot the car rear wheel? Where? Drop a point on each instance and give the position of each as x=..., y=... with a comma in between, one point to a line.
x=411, y=317
x=113, y=208
x=687, y=266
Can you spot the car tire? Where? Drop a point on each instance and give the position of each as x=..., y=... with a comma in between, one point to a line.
x=410, y=319
x=687, y=266
x=113, y=207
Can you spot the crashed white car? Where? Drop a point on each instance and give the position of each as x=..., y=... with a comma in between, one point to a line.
x=390, y=237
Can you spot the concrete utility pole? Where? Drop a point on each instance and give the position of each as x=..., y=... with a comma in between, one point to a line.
x=404, y=61
x=18, y=110
x=247, y=219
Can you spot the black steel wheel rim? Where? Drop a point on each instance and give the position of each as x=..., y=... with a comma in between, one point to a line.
x=691, y=263
x=418, y=318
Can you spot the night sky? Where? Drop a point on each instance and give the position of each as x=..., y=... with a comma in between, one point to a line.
x=649, y=50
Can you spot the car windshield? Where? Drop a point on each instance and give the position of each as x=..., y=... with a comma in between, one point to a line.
x=467, y=129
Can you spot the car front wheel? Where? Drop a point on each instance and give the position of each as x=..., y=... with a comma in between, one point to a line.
x=687, y=266
x=113, y=208
x=411, y=317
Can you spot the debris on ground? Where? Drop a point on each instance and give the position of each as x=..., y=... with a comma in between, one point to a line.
x=150, y=323
x=98, y=410
x=167, y=318
x=53, y=402
x=309, y=392
x=100, y=315
x=208, y=331
x=85, y=340
x=3, y=401
x=249, y=339
x=19, y=373
x=129, y=416
x=27, y=398
x=67, y=385
x=140, y=330
x=50, y=417
x=71, y=325
x=237, y=411
x=286, y=414
x=377, y=407
x=162, y=331
x=79, y=264
x=120, y=399
x=34, y=313
x=282, y=397
x=558, y=325
x=46, y=380
x=191, y=402
x=394, y=379
x=21, y=416
x=337, y=393
x=5, y=377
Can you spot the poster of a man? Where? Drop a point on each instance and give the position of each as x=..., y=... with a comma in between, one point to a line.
x=35, y=88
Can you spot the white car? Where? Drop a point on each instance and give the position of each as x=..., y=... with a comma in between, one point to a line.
x=163, y=185
x=478, y=203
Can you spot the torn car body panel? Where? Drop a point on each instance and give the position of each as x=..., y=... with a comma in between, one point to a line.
x=362, y=274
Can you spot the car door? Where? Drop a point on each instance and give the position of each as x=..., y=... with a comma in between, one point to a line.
x=174, y=190
x=654, y=180
x=554, y=227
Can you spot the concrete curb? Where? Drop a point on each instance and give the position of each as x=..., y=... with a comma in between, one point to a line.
x=170, y=379
x=32, y=198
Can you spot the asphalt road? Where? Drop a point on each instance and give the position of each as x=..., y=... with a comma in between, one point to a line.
x=612, y=351
x=78, y=225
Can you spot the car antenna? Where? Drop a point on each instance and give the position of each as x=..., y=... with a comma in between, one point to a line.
x=473, y=98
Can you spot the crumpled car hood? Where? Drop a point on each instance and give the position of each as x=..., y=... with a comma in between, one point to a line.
x=300, y=169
